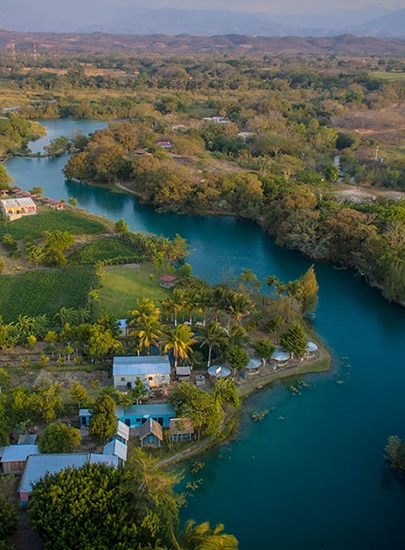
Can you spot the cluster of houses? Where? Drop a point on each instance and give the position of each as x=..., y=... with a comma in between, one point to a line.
x=25, y=459
x=23, y=203
x=145, y=421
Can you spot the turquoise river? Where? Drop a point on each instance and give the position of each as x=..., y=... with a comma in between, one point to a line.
x=312, y=474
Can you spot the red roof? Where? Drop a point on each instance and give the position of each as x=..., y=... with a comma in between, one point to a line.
x=168, y=278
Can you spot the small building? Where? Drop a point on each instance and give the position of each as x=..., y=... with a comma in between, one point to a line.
x=84, y=417
x=116, y=448
x=253, y=366
x=122, y=326
x=151, y=434
x=167, y=281
x=280, y=358
x=312, y=349
x=15, y=208
x=219, y=371
x=15, y=456
x=38, y=466
x=200, y=379
x=152, y=370
x=122, y=432
x=164, y=144
x=137, y=415
x=183, y=373
x=181, y=429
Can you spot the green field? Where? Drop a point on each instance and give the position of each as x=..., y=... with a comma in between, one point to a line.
x=388, y=76
x=108, y=248
x=121, y=287
x=44, y=291
x=73, y=221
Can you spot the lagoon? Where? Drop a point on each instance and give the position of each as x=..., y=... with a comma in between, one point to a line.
x=312, y=474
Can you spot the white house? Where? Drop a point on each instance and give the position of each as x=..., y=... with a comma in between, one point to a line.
x=152, y=370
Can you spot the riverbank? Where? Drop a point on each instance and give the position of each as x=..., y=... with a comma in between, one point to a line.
x=265, y=377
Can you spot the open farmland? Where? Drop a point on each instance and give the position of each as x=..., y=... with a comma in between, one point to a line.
x=33, y=227
x=45, y=291
x=107, y=249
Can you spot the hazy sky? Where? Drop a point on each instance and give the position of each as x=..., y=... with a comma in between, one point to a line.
x=96, y=7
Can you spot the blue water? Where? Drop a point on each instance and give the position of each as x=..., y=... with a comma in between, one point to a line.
x=313, y=472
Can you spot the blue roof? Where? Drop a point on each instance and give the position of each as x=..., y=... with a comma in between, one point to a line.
x=39, y=465
x=152, y=409
x=116, y=448
x=17, y=453
x=138, y=365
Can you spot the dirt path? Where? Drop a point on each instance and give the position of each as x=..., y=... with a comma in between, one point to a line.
x=362, y=194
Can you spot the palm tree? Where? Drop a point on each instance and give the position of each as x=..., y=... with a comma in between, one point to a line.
x=271, y=281
x=238, y=336
x=148, y=334
x=192, y=301
x=202, y=537
x=179, y=339
x=218, y=299
x=213, y=336
x=238, y=306
x=144, y=308
x=175, y=304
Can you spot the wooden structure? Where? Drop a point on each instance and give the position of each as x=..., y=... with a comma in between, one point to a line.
x=181, y=429
x=15, y=456
x=151, y=434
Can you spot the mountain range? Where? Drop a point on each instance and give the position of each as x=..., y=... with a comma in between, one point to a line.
x=378, y=22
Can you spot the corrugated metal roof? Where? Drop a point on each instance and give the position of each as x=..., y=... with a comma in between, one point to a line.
x=122, y=430
x=183, y=371
x=17, y=453
x=108, y=459
x=39, y=465
x=134, y=365
x=116, y=448
x=152, y=409
x=27, y=439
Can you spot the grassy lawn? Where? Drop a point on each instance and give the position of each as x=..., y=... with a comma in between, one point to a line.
x=122, y=286
x=73, y=221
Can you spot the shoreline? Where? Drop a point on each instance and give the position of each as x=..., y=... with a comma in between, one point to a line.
x=245, y=388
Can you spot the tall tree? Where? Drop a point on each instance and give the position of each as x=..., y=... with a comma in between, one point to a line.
x=103, y=419
x=214, y=336
x=179, y=339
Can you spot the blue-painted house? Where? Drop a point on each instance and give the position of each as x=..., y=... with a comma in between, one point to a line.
x=136, y=415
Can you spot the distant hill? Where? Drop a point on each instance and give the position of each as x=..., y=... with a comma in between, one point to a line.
x=390, y=25
x=192, y=44
x=115, y=18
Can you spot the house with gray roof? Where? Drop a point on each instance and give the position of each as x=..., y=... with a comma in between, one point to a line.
x=38, y=466
x=15, y=456
x=151, y=434
x=152, y=370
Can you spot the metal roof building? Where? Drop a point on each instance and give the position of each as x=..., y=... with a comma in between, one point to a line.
x=39, y=465
x=150, y=369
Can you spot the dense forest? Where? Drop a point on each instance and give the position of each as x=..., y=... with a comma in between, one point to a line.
x=271, y=138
